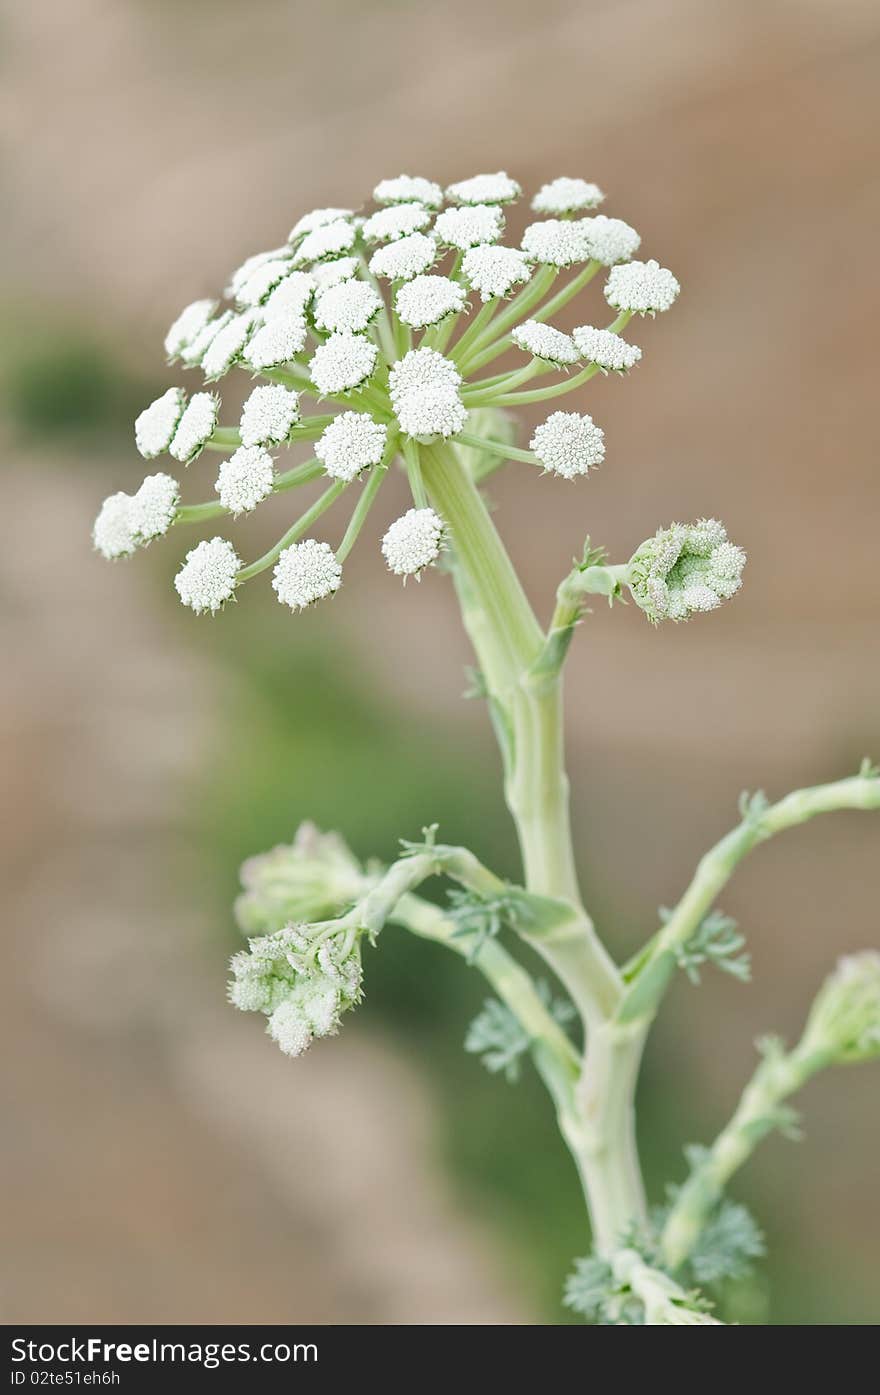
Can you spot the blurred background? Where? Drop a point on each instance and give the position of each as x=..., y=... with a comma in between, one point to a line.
x=164, y=1162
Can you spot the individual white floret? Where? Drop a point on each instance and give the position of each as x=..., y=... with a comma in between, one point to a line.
x=643, y=287
x=331, y=240
x=407, y=257
x=249, y=266
x=397, y=221
x=351, y=443
x=268, y=415
x=292, y=295
x=345, y=361
x=318, y=218
x=328, y=274
x=470, y=226
x=349, y=306
x=485, y=188
x=567, y=196
x=207, y=578
x=609, y=240
x=225, y=348
x=494, y=271
x=113, y=533
x=426, y=300
x=608, y=351
x=192, y=353
x=306, y=572
x=555, y=243
x=195, y=427
x=543, y=341
x=156, y=425
x=432, y=411
x=413, y=542
x=409, y=188
x=569, y=444
x=154, y=506
x=277, y=342
x=245, y=479
x=190, y=322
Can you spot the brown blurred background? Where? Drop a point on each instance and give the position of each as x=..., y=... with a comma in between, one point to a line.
x=163, y=1161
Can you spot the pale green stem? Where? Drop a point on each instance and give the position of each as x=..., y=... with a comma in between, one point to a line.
x=300, y=474
x=665, y=1302
x=414, y=474
x=364, y=504
x=521, y=303
x=464, y=438
x=568, y=292
x=757, y=1114
x=301, y=526
x=475, y=394
x=519, y=399
x=476, y=327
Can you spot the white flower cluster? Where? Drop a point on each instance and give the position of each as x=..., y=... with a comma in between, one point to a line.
x=351, y=443
x=409, y=188
x=207, y=578
x=645, y=288
x=494, y=271
x=344, y=362
x=567, y=196
x=569, y=444
x=407, y=257
x=129, y=521
x=607, y=350
x=543, y=341
x=301, y=985
x=469, y=226
x=424, y=391
x=306, y=572
x=685, y=569
x=350, y=305
x=484, y=188
x=413, y=542
x=245, y=479
x=269, y=415
x=313, y=878
x=426, y=300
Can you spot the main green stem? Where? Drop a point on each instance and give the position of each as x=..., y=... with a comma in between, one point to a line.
x=598, y=1124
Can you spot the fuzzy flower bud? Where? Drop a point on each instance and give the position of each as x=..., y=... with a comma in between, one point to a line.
x=207, y=578
x=351, y=443
x=413, y=542
x=269, y=415
x=312, y=878
x=567, y=196
x=306, y=572
x=426, y=300
x=409, y=188
x=685, y=569
x=245, y=479
x=844, y=1021
x=646, y=288
x=569, y=444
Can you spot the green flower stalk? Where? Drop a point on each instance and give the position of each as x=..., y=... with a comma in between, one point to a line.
x=374, y=338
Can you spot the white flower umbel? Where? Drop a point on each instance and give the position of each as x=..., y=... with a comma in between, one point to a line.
x=426, y=300
x=555, y=243
x=268, y=416
x=327, y=274
x=565, y=195
x=397, y=221
x=318, y=218
x=306, y=572
x=303, y=994
x=484, y=188
x=409, y=256
x=193, y=352
x=343, y=363
x=225, y=348
x=292, y=295
x=685, y=569
x=351, y=443
x=645, y=288
x=413, y=542
x=244, y=272
x=113, y=533
x=262, y=281
x=190, y=322
x=154, y=507
x=494, y=271
x=155, y=427
x=423, y=387
x=245, y=479
x=608, y=351
x=543, y=341
x=470, y=226
x=331, y=240
x=195, y=427
x=569, y=444
x=409, y=188
x=206, y=580
x=277, y=342
x=609, y=240
x=349, y=306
